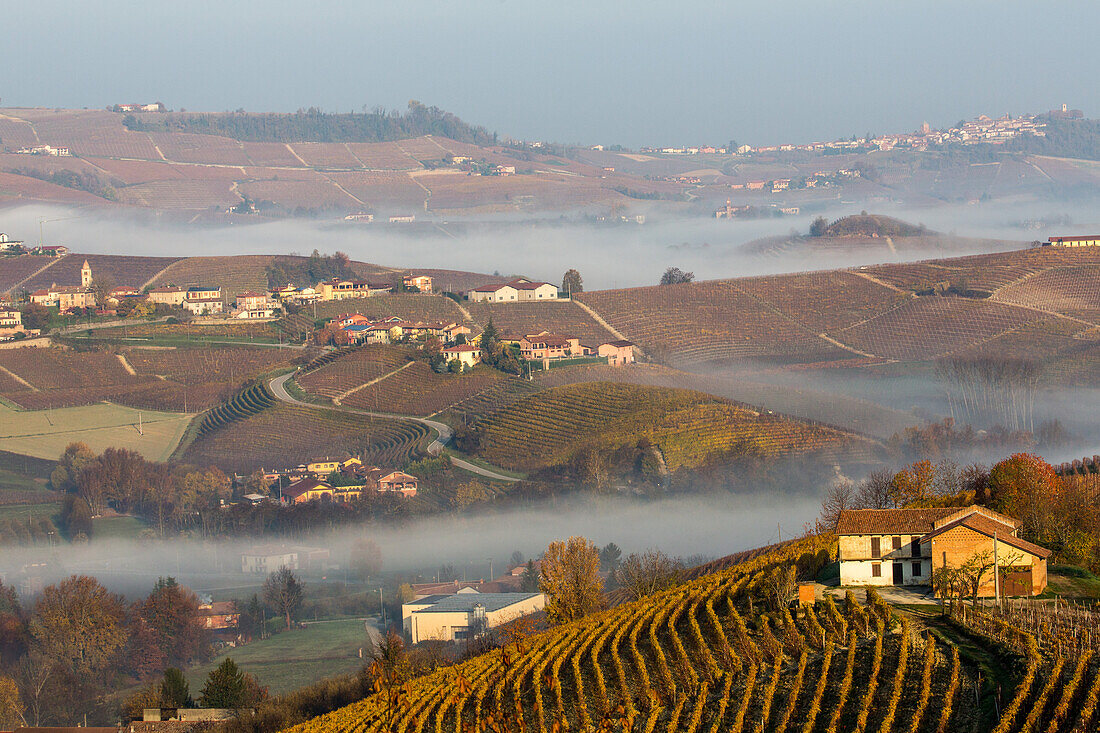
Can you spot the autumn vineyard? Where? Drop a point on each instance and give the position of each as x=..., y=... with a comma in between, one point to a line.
x=710, y=656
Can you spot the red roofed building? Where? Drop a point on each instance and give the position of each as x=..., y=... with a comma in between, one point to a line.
x=546, y=345
x=907, y=546
x=465, y=354
x=618, y=353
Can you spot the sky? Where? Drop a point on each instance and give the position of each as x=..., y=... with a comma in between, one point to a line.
x=592, y=71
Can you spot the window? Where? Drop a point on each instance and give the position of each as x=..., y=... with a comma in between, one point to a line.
x=876, y=547
x=876, y=570
x=914, y=547
x=916, y=570
x=895, y=542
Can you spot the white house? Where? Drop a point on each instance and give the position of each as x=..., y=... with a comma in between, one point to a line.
x=466, y=354
x=465, y=614
x=264, y=560
x=519, y=290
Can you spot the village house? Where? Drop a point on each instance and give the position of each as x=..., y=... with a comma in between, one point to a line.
x=64, y=298
x=218, y=615
x=465, y=354
x=1092, y=240
x=337, y=289
x=546, y=345
x=465, y=614
x=117, y=295
x=203, y=300
x=399, y=481
x=518, y=290
x=10, y=318
x=8, y=245
x=906, y=547
x=618, y=353
x=267, y=559
x=251, y=301
x=402, y=219
x=51, y=250
x=170, y=295
x=423, y=283
x=312, y=489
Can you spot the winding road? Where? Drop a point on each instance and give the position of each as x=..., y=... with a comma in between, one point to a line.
x=443, y=432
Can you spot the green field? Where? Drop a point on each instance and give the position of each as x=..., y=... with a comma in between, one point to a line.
x=23, y=512
x=45, y=433
x=292, y=659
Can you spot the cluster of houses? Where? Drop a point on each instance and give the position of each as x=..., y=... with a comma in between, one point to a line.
x=339, y=480
x=982, y=129
x=11, y=324
x=355, y=328
x=345, y=289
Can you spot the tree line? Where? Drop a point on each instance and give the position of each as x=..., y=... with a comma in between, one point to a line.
x=314, y=125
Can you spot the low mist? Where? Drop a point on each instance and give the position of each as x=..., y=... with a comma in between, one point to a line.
x=608, y=255
x=681, y=525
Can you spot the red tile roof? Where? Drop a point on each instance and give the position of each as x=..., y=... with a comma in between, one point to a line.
x=891, y=521
x=986, y=526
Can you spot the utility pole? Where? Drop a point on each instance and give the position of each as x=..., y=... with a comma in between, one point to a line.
x=996, y=573
x=383, y=607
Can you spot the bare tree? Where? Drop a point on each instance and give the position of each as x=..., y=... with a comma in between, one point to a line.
x=649, y=572
x=780, y=586
x=876, y=491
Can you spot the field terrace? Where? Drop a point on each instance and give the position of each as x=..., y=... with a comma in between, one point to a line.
x=392, y=191
x=386, y=156
x=822, y=301
x=234, y=274
x=90, y=133
x=26, y=187
x=189, y=195
x=291, y=194
x=191, y=148
x=209, y=375
x=14, y=270
x=708, y=322
x=418, y=390
x=326, y=155
x=513, y=320
x=353, y=369
x=1069, y=290
x=58, y=377
x=928, y=327
x=117, y=269
x=288, y=435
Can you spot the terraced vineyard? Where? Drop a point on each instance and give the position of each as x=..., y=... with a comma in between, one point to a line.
x=699, y=658
x=418, y=390
x=925, y=328
x=1063, y=289
x=352, y=369
x=287, y=435
x=689, y=428
x=14, y=270
x=822, y=301
x=63, y=378
x=708, y=322
x=117, y=269
x=199, y=365
x=248, y=402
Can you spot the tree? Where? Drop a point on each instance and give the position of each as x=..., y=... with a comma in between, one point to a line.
x=819, y=226
x=676, y=276
x=780, y=585
x=529, y=581
x=36, y=317
x=647, y=573
x=490, y=342
x=283, y=592
x=366, y=558
x=610, y=555
x=174, y=690
x=1023, y=486
x=225, y=686
x=839, y=497
x=913, y=483
x=76, y=517
x=79, y=624
x=11, y=706
x=13, y=627
x=571, y=579
x=572, y=282
x=172, y=612
x=875, y=491
x=69, y=466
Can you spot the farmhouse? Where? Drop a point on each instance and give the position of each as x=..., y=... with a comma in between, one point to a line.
x=219, y=615
x=311, y=489
x=618, y=353
x=465, y=354
x=168, y=295
x=518, y=290
x=1085, y=241
x=546, y=345
x=252, y=301
x=204, y=306
x=465, y=614
x=906, y=546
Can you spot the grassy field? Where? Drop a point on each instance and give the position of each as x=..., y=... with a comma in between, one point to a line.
x=124, y=528
x=45, y=433
x=292, y=659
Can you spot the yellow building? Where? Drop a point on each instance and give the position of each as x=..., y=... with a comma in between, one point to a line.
x=1092, y=240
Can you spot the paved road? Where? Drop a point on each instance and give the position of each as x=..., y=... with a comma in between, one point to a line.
x=443, y=432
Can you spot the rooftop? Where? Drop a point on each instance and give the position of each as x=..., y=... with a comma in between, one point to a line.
x=891, y=521
x=461, y=602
